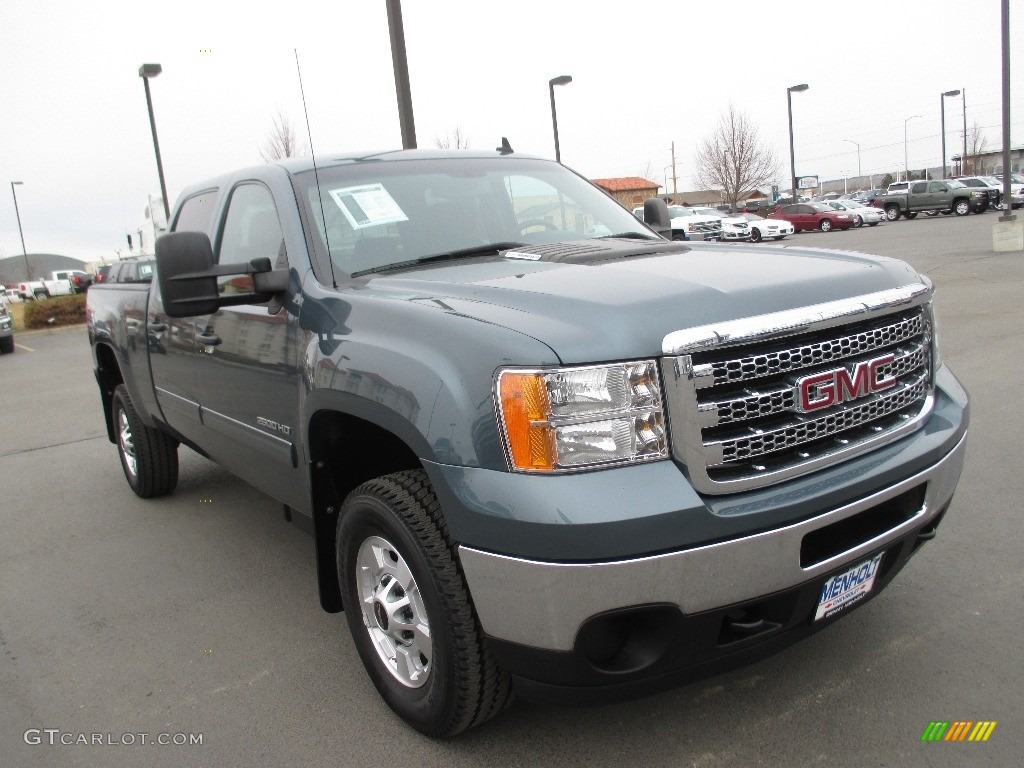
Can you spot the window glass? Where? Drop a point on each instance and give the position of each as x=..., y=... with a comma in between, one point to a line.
x=196, y=213
x=937, y=186
x=251, y=231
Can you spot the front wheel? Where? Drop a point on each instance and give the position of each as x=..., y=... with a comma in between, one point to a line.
x=409, y=609
x=755, y=235
x=825, y=225
x=961, y=208
x=149, y=457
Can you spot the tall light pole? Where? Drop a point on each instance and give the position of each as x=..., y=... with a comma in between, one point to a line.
x=28, y=269
x=942, y=109
x=400, y=63
x=963, y=157
x=560, y=80
x=851, y=141
x=906, y=168
x=792, y=154
x=146, y=71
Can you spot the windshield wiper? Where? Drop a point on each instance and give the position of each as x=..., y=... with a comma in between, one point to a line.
x=461, y=253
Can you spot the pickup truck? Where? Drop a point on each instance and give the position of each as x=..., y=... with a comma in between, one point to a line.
x=540, y=448
x=688, y=224
x=60, y=283
x=943, y=196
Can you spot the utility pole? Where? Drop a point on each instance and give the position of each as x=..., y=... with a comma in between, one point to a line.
x=675, y=180
x=401, y=67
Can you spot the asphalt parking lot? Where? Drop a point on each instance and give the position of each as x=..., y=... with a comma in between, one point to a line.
x=197, y=616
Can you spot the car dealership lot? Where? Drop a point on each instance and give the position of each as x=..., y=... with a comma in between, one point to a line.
x=198, y=614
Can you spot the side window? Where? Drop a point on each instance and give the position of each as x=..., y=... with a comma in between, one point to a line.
x=251, y=230
x=937, y=186
x=196, y=213
x=919, y=187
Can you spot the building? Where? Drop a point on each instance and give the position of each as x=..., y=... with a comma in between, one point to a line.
x=629, y=191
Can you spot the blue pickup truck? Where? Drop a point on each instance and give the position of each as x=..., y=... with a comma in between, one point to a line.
x=542, y=449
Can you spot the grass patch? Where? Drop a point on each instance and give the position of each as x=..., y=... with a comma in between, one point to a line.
x=60, y=310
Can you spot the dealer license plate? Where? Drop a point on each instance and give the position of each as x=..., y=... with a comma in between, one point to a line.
x=842, y=591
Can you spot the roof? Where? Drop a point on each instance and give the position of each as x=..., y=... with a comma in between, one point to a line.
x=625, y=184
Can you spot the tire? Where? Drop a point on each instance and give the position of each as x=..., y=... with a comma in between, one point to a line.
x=149, y=457
x=781, y=237
x=858, y=220
x=961, y=207
x=873, y=223
x=397, y=567
x=40, y=295
x=931, y=213
x=755, y=235
x=825, y=225
x=892, y=212
x=7, y=345
x=911, y=214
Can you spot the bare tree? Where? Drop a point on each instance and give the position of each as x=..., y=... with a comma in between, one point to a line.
x=454, y=140
x=281, y=141
x=734, y=159
x=977, y=145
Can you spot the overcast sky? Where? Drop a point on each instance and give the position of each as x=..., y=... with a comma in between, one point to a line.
x=75, y=130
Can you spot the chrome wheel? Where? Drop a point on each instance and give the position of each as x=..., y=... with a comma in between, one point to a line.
x=126, y=442
x=393, y=612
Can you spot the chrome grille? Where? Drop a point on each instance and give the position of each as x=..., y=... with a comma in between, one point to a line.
x=734, y=391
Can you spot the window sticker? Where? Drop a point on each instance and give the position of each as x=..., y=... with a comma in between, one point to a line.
x=368, y=205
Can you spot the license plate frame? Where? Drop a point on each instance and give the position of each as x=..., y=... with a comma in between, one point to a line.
x=843, y=590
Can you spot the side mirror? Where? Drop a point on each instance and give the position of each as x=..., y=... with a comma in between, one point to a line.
x=657, y=217
x=183, y=264
x=187, y=276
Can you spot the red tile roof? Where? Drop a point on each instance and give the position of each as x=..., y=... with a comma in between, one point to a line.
x=625, y=184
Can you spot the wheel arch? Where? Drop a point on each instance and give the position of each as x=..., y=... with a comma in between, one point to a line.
x=345, y=451
x=108, y=376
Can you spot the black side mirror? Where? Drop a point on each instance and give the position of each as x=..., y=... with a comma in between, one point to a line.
x=657, y=217
x=188, y=276
x=183, y=269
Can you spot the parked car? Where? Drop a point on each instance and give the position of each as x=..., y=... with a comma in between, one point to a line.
x=805, y=216
x=6, y=329
x=80, y=282
x=937, y=196
x=767, y=229
x=9, y=295
x=61, y=282
x=868, y=196
x=687, y=224
x=862, y=214
x=757, y=206
x=32, y=289
x=992, y=186
x=733, y=227
x=1016, y=189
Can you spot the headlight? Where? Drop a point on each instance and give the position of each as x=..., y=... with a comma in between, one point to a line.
x=563, y=419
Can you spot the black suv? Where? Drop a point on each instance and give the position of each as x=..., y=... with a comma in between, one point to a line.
x=127, y=271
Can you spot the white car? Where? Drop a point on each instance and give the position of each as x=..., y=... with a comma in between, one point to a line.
x=766, y=229
x=862, y=214
x=733, y=227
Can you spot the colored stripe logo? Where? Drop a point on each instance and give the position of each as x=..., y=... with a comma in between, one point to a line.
x=958, y=730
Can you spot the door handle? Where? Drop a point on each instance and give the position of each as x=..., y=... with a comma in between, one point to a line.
x=208, y=339
x=158, y=327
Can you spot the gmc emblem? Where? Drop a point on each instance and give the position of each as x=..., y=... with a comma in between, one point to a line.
x=842, y=384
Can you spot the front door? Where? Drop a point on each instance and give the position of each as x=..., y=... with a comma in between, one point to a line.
x=247, y=356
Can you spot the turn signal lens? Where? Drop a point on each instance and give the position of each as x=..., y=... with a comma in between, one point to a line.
x=524, y=403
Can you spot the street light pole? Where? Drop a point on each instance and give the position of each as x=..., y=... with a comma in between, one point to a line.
x=560, y=80
x=28, y=268
x=146, y=71
x=851, y=141
x=906, y=168
x=942, y=110
x=963, y=157
x=792, y=154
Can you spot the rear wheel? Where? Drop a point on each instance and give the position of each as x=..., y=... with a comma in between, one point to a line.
x=892, y=212
x=858, y=220
x=40, y=295
x=149, y=457
x=825, y=225
x=409, y=609
x=7, y=345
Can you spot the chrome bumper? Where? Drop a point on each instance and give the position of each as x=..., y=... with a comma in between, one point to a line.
x=543, y=604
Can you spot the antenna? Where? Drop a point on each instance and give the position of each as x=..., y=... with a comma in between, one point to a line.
x=316, y=174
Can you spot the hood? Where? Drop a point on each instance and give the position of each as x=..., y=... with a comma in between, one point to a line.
x=598, y=300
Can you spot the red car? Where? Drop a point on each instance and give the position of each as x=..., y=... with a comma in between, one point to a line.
x=813, y=216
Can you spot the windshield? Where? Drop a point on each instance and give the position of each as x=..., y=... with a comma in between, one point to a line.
x=822, y=207
x=373, y=214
